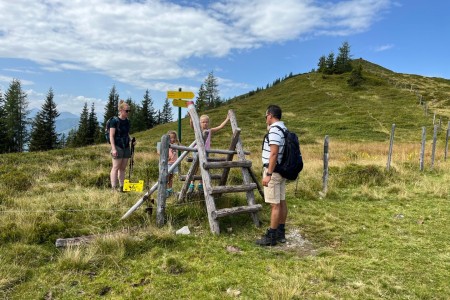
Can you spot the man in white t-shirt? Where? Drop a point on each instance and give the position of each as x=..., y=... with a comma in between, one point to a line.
x=274, y=184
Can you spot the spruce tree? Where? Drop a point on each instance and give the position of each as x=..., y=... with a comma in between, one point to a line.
x=212, y=92
x=112, y=107
x=200, y=103
x=148, y=111
x=94, y=131
x=330, y=64
x=166, y=115
x=343, y=59
x=16, y=121
x=82, y=136
x=322, y=64
x=43, y=134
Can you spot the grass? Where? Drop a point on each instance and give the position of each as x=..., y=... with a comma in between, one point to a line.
x=375, y=234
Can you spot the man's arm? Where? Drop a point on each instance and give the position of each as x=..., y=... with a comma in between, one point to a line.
x=273, y=158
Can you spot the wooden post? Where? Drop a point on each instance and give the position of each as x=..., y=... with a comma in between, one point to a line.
x=422, y=149
x=246, y=172
x=446, y=140
x=433, y=150
x=210, y=205
x=426, y=108
x=391, y=146
x=434, y=119
x=325, y=166
x=162, y=181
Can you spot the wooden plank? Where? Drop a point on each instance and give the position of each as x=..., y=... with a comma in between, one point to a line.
x=245, y=171
x=228, y=164
x=163, y=172
x=192, y=149
x=190, y=159
x=236, y=210
x=199, y=177
x=233, y=188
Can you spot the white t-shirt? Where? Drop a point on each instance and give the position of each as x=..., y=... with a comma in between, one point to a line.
x=274, y=137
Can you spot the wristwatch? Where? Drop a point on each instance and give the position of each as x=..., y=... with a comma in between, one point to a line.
x=268, y=174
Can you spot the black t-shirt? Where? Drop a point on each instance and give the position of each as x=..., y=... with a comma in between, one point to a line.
x=122, y=135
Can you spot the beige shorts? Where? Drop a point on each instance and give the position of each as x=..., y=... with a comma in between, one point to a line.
x=276, y=189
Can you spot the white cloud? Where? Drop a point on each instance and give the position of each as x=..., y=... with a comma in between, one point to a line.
x=384, y=47
x=149, y=43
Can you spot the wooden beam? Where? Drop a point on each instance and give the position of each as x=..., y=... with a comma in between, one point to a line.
x=228, y=164
x=233, y=188
x=236, y=210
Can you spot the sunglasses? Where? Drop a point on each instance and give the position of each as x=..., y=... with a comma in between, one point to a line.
x=127, y=110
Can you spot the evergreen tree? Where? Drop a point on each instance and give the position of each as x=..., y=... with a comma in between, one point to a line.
x=43, y=134
x=356, y=78
x=322, y=64
x=82, y=137
x=134, y=116
x=166, y=115
x=212, y=92
x=112, y=107
x=71, y=140
x=343, y=60
x=148, y=111
x=16, y=112
x=3, y=128
x=94, y=134
x=200, y=103
x=330, y=64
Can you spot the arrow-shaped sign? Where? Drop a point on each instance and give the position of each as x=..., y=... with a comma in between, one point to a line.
x=180, y=103
x=180, y=95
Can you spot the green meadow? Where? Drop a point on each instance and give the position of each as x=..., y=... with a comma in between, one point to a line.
x=375, y=234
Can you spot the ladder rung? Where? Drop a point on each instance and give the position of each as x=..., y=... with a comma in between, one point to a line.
x=235, y=210
x=190, y=159
x=199, y=177
x=228, y=164
x=233, y=188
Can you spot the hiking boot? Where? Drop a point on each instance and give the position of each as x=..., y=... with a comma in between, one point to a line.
x=169, y=192
x=191, y=188
x=200, y=187
x=268, y=239
x=281, y=236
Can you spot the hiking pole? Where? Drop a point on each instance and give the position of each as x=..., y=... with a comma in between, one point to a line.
x=130, y=170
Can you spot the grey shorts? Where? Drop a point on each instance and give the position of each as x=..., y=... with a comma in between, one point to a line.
x=175, y=170
x=122, y=153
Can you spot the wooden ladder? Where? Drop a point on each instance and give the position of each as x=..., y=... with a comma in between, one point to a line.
x=201, y=160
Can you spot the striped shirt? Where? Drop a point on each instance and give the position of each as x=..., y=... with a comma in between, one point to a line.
x=274, y=137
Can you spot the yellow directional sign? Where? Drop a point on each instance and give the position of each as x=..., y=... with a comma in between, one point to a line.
x=180, y=95
x=133, y=187
x=180, y=103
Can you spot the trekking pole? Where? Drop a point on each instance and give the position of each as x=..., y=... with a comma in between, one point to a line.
x=130, y=170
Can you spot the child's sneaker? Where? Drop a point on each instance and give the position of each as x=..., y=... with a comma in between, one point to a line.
x=191, y=188
x=200, y=187
x=169, y=192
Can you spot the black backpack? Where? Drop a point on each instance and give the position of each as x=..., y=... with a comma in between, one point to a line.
x=108, y=126
x=292, y=162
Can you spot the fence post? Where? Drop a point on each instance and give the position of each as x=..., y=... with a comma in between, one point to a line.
x=446, y=140
x=433, y=150
x=325, y=166
x=162, y=184
x=391, y=145
x=422, y=149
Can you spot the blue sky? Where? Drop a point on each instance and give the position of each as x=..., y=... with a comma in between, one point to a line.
x=82, y=48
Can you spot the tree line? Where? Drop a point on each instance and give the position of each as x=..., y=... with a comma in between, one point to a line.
x=19, y=133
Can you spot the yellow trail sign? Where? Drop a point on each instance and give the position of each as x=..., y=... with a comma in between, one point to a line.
x=180, y=95
x=133, y=187
x=180, y=103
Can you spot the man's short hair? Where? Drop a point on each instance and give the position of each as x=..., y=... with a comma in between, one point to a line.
x=275, y=111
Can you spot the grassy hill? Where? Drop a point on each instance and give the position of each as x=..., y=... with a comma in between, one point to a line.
x=376, y=234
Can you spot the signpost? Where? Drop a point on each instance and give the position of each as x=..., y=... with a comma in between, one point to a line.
x=177, y=97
